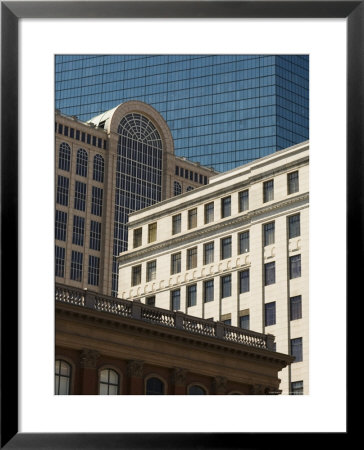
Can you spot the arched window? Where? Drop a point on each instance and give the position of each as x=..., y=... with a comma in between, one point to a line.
x=98, y=172
x=196, y=390
x=81, y=166
x=177, y=188
x=109, y=382
x=64, y=157
x=155, y=386
x=62, y=378
x=190, y=188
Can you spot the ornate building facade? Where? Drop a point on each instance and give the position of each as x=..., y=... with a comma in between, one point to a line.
x=236, y=251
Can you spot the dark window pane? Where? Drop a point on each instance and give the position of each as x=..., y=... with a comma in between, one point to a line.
x=292, y=182
x=244, y=242
x=295, y=266
x=226, y=248
x=296, y=307
x=296, y=349
x=209, y=291
x=209, y=253
x=192, y=295
x=226, y=207
x=176, y=300
x=244, y=322
x=294, y=226
x=269, y=273
x=269, y=233
x=270, y=314
x=243, y=200
x=225, y=286
x=244, y=281
x=268, y=191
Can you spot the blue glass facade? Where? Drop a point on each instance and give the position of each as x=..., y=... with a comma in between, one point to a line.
x=223, y=110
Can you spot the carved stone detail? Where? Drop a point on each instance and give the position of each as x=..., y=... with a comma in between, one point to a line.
x=89, y=358
x=179, y=376
x=258, y=389
x=219, y=385
x=135, y=368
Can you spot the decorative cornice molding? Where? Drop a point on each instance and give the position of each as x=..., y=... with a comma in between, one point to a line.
x=241, y=220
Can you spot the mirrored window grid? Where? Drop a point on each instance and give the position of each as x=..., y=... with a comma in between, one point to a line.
x=223, y=110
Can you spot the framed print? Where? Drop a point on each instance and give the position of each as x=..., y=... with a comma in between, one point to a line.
x=336, y=190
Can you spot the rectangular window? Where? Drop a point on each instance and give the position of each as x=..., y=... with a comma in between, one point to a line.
x=292, y=182
x=196, y=178
x=152, y=232
x=95, y=235
x=175, y=263
x=296, y=349
x=96, y=203
x=208, y=291
x=83, y=136
x=181, y=172
x=191, y=175
x=270, y=314
x=65, y=130
x=296, y=388
x=191, y=258
x=151, y=270
x=137, y=237
x=244, y=322
x=72, y=133
x=80, y=196
x=294, y=226
x=63, y=190
x=186, y=173
x=78, y=135
x=99, y=142
x=225, y=207
x=269, y=273
x=295, y=304
x=176, y=300
x=200, y=179
x=226, y=248
x=227, y=322
x=76, y=266
x=94, y=140
x=209, y=212
x=294, y=266
x=243, y=200
x=192, y=295
x=244, y=242
x=268, y=191
x=60, y=254
x=177, y=170
x=176, y=224
x=89, y=139
x=78, y=230
x=150, y=300
x=244, y=281
x=93, y=270
x=60, y=128
x=61, y=225
x=192, y=218
x=136, y=275
x=225, y=286
x=208, y=257
x=268, y=234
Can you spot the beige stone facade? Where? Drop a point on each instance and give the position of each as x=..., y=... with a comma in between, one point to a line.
x=259, y=281
x=83, y=193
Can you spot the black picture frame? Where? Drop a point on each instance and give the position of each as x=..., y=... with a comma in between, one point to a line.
x=11, y=12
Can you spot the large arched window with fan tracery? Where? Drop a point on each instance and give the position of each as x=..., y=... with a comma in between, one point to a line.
x=138, y=176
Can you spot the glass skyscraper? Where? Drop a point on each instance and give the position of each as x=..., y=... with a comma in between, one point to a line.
x=223, y=110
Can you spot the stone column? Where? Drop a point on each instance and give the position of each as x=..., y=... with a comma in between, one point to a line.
x=88, y=372
x=135, y=377
x=179, y=381
x=219, y=385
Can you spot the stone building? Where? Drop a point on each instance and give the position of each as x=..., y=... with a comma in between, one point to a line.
x=121, y=161
x=236, y=251
x=108, y=346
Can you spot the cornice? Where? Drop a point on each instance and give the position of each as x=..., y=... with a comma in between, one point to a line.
x=225, y=224
x=238, y=184
x=104, y=320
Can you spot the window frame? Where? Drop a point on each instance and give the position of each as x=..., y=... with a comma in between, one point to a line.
x=225, y=214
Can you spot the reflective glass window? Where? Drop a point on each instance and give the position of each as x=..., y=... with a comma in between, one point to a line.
x=80, y=196
x=154, y=386
x=270, y=314
x=269, y=273
x=175, y=300
x=108, y=382
x=268, y=233
x=268, y=191
x=295, y=266
x=64, y=160
x=192, y=295
x=208, y=291
x=294, y=226
x=81, y=163
x=62, y=382
x=244, y=245
x=244, y=280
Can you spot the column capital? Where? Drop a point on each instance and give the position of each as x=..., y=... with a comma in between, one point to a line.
x=179, y=376
x=89, y=358
x=219, y=385
x=135, y=368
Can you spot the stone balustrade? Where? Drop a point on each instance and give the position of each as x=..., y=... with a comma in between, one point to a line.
x=173, y=319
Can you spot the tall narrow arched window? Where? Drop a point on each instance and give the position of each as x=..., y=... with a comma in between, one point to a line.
x=98, y=172
x=109, y=382
x=64, y=160
x=177, y=188
x=81, y=166
x=196, y=390
x=154, y=386
x=62, y=383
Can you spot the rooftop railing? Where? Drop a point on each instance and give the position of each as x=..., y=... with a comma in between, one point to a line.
x=172, y=319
